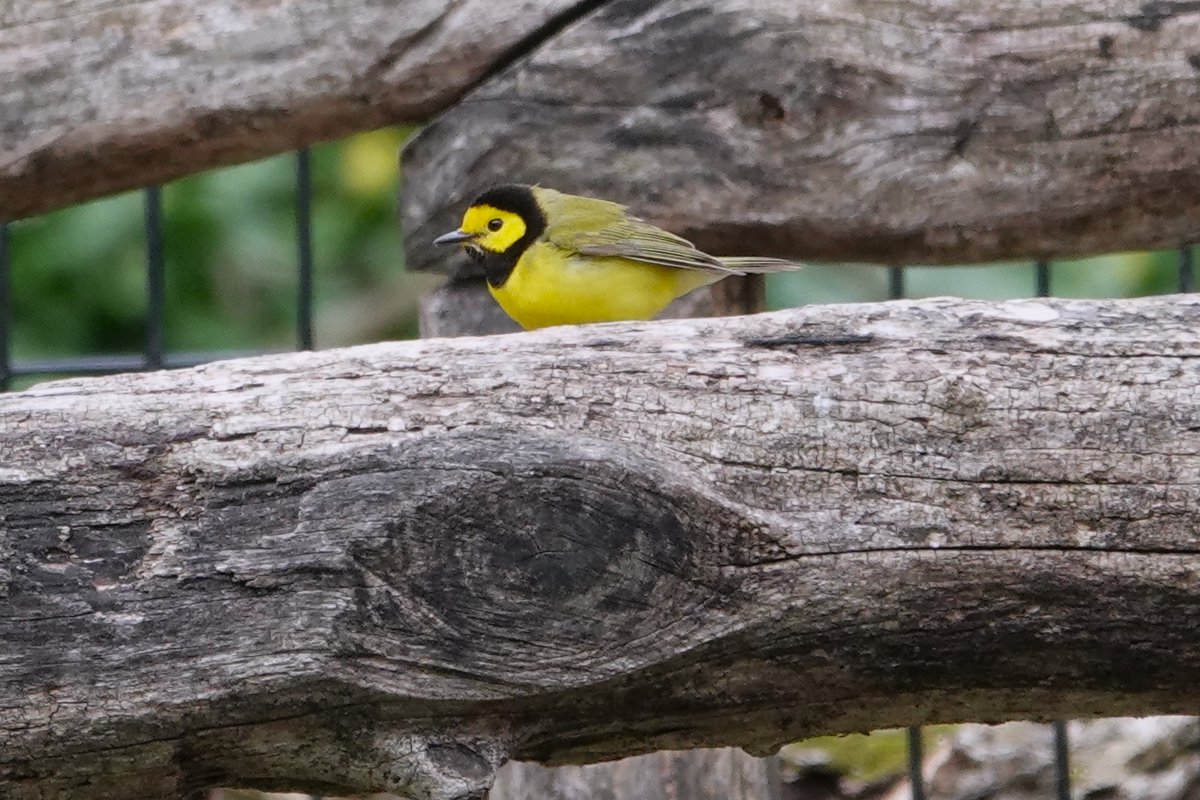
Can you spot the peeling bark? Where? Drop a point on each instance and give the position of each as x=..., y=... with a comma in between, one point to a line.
x=392, y=567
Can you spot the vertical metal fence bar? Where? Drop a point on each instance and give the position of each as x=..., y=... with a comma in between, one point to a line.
x=304, y=308
x=156, y=280
x=1062, y=756
x=895, y=282
x=1186, y=266
x=1041, y=272
x=6, y=320
x=916, y=753
x=916, y=758
x=1062, y=762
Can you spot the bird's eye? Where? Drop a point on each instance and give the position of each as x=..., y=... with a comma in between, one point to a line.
x=495, y=225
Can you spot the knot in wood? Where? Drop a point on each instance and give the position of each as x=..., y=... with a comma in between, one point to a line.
x=517, y=554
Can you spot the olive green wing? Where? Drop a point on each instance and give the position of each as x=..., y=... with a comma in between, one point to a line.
x=640, y=241
x=593, y=227
x=599, y=228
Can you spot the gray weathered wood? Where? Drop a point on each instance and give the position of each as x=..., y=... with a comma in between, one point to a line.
x=890, y=131
x=727, y=774
x=1145, y=758
x=97, y=96
x=390, y=567
x=465, y=308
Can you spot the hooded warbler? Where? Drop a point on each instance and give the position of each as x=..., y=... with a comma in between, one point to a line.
x=560, y=259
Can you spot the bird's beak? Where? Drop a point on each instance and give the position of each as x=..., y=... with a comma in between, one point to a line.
x=454, y=237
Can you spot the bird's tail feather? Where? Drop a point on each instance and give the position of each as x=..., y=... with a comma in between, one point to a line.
x=756, y=265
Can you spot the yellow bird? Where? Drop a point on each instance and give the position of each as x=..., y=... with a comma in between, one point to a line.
x=560, y=259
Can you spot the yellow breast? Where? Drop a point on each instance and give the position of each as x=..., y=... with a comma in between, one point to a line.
x=549, y=287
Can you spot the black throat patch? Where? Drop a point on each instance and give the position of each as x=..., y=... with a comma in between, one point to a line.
x=518, y=199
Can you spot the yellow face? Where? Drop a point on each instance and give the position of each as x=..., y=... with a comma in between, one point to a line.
x=499, y=227
x=492, y=229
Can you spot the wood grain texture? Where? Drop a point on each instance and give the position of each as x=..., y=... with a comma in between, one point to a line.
x=465, y=308
x=97, y=96
x=390, y=567
x=728, y=774
x=938, y=131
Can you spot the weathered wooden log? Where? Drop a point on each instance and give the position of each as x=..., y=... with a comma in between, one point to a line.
x=464, y=308
x=391, y=567
x=924, y=132
x=728, y=774
x=97, y=96
x=928, y=132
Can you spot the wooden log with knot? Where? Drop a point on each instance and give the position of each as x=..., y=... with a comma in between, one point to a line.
x=394, y=566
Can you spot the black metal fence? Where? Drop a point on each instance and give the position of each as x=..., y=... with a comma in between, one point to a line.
x=155, y=356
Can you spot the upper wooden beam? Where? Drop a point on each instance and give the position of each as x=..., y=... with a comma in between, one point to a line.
x=98, y=96
x=886, y=131
x=883, y=131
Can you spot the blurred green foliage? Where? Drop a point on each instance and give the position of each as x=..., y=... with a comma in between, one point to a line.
x=1116, y=275
x=78, y=279
x=866, y=756
x=79, y=273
